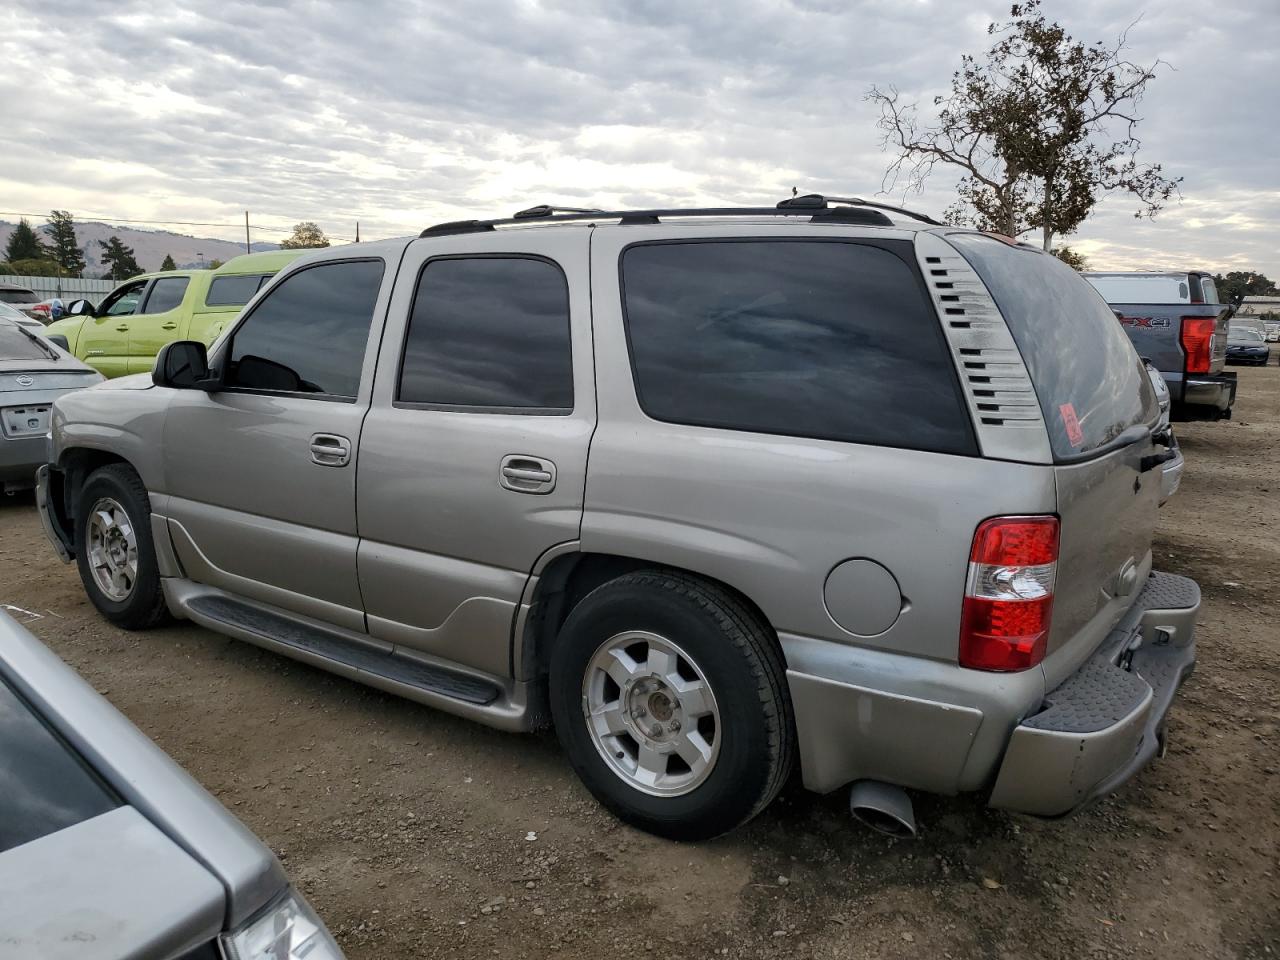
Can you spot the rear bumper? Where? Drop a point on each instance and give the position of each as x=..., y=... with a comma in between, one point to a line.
x=1106, y=721
x=19, y=460
x=1205, y=396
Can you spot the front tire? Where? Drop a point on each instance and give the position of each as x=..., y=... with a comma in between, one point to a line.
x=669, y=697
x=114, y=551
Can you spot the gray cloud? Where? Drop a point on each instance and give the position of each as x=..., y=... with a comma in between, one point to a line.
x=399, y=114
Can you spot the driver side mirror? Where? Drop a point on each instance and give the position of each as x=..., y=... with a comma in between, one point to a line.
x=60, y=340
x=80, y=308
x=183, y=365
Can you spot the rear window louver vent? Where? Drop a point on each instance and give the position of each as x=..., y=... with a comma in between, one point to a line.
x=1003, y=403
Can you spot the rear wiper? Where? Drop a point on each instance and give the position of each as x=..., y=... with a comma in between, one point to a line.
x=39, y=342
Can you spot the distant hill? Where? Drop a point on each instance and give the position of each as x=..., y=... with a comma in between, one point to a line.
x=149, y=246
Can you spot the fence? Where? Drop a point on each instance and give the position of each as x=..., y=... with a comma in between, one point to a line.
x=68, y=288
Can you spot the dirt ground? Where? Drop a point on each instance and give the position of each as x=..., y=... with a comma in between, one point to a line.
x=413, y=833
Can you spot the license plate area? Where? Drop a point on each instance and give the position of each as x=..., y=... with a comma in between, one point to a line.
x=19, y=423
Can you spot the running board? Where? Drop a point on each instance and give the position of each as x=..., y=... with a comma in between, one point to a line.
x=393, y=666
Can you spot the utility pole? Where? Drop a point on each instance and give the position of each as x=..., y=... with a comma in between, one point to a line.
x=246, y=232
x=357, y=231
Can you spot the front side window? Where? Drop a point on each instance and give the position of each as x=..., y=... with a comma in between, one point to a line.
x=166, y=294
x=830, y=340
x=309, y=334
x=124, y=301
x=234, y=291
x=489, y=332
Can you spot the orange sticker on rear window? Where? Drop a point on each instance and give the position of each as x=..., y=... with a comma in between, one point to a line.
x=1072, y=423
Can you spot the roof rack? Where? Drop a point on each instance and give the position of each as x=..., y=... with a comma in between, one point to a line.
x=817, y=208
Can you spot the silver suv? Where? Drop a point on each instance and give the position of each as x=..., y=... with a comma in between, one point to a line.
x=718, y=492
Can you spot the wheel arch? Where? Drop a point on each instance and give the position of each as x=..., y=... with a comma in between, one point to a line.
x=74, y=466
x=566, y=579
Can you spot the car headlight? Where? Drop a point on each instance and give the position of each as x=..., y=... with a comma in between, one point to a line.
x=287, y=930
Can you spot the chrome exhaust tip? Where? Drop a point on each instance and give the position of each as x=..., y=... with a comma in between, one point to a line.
x=883, y=807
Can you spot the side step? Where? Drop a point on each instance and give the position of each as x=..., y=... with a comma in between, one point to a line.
x=399, y=668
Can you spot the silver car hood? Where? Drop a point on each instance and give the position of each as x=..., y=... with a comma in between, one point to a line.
x=112, y=886
x=142, y=775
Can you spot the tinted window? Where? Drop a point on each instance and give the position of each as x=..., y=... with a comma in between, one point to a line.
x=815, y=339
x=123, y=301
x=44, y=787
x=166, y=294
x=489, y=332
x=18, y=296
x=232, y=291
x=16, y=345
x=309, y=334
x=1087, y=376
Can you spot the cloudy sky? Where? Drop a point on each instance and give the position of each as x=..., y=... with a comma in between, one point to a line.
x=402, y=114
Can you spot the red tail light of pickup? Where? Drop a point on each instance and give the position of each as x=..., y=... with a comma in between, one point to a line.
x=1197, y=341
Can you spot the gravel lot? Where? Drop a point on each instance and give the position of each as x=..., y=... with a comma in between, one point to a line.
x=419, y=835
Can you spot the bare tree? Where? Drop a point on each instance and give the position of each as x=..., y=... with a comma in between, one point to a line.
x=1041, y=127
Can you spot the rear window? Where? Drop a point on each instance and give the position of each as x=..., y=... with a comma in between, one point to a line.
x=1138, y=288
x=18, y=296
x=233, y=291
x=1087, y=376
x=16, y=345
x=826, y=339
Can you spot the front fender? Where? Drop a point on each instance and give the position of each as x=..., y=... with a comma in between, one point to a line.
x=70, y=328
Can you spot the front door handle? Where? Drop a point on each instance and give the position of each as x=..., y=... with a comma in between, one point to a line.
x=523, y=474
x=169, y=326
x=123, y=327
x=330, y=450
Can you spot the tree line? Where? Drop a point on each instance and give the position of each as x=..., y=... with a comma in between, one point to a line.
x=54, y=251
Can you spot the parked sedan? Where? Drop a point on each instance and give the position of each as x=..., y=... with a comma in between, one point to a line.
x=109, y=850
x=33, y=373
x=1247, y=346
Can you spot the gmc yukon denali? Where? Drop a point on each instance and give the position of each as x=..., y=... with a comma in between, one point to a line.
x=719, y=493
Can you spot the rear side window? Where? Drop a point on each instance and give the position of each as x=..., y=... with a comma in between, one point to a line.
x=822, y=339
x=309, y=334
x=233, y=291
x=166, y=294
x=1087, y=376
x=489, y=332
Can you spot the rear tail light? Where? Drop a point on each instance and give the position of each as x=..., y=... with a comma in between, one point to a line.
x=1008, y=596
x=1197, y=341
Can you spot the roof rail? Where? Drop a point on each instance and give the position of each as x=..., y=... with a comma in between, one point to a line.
x=817, y=208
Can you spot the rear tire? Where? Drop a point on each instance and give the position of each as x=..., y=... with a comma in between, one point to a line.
x=114, y=551
x=695, y=736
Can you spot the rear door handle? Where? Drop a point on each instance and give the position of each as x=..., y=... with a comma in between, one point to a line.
x=169, y=326
x=123, y=327
x=330, y=450
x=523, y=474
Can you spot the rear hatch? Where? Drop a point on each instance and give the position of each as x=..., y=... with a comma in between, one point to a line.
x=1100, y=409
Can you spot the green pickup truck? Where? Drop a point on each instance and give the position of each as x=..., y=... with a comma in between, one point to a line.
x=144, y=313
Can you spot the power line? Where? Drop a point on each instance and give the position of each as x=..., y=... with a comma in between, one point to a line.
x=168, y=223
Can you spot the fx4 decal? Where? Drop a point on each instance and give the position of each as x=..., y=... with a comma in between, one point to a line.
x=1146, y=322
